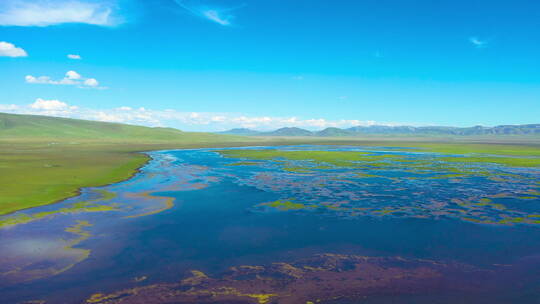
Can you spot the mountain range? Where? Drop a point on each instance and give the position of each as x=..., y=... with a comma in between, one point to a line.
x=528, y=129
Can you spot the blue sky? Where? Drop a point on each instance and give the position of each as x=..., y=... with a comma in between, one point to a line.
x=213, y=64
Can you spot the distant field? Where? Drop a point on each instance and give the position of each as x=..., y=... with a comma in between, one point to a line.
x=44, y=159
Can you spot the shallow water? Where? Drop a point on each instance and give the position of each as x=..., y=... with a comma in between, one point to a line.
x=192, y=210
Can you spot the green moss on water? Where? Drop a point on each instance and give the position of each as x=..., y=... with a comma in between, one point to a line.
x=322, y=167
x=366, y=175
x=474, y=148
x=89, y=206
x=106, y=195
x=244, y=163
x=513, y=220
x=15, y=220
x=335, y=158
x=506, y=161
x=446, y=176
x=384, y=212
x=297, y=170
x=285, y=205
x=469, y=219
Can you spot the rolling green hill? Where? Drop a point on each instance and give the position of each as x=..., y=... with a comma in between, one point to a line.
x=45, y=127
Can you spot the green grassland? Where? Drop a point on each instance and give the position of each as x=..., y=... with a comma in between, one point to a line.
x=44, y=159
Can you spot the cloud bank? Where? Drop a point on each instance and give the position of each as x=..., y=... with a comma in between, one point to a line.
x=48, y=12
x=10, y=50
x=173, y=118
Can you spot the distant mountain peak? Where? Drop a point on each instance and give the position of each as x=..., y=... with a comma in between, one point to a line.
x=289, y=131
x=528, y=129
x=240, y=131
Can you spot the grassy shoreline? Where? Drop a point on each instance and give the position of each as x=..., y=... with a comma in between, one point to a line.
x=37, y=172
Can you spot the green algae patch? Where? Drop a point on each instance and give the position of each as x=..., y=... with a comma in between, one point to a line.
x=285, y=205
x=106, y=195
x=534, y=192
x=505, y=161
x=526, y=197
x=61, y=256
x=474, y=148
x=297, y=170
x=384, y=212
x=244, y=163
x=89, y=206
x=16, y=220
x=336, y=158
x=366, y=175
x=447, y=176
x=197, y=277
x=168, y=203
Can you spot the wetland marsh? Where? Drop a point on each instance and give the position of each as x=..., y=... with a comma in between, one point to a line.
x=290, y=224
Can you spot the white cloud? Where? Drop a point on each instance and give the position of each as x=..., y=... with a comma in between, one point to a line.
x=218, y=15
x=173, y=118
x=91, y=82
x=40, y=79
x=9, y=50
x=8, y=107
x=477, y=42
x=46, y=12
x=219, y=118
x=298, y=77
x=103, y=116
x=70, y=78
x=48, y=105
x=73, y=75
x=74, y=56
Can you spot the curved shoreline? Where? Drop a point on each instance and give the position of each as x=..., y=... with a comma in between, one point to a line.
x=78, y=191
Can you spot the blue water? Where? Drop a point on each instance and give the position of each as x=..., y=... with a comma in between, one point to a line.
x=217, y=225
